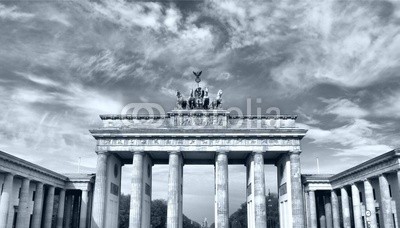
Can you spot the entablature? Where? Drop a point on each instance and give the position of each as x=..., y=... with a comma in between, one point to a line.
x=19, y=167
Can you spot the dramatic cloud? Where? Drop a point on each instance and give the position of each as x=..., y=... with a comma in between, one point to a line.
x=355, y=137
x=344, y=108
x=334, y=63
x=12, y=13
x=388, y=106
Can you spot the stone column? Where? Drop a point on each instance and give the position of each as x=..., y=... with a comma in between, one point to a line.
x=297, y=190
x=328, y=212
x=335, y=210
x=370, y=204
x=60, y=213
x=68, y=211
x=38, y=206
x=48, y=214
x=355, y=193
x=313, y=209
x=84, y=209
x=23, y=206
x=135, y=212
x=260, y=213
x=386, y=208
x=345, y=208
x=173, y=213
x=5, y=199
x=98, y=211
x=398, y=178
x=221, y=191
x=307, y=208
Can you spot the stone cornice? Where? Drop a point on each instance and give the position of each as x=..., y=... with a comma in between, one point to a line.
x=194, y=113
x=15, y=165
x=36, y=173
x=316, y=178
x=384, y=163
x=80, y=181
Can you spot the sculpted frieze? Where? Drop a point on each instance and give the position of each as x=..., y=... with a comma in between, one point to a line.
x=200, y=121
x=196, y=141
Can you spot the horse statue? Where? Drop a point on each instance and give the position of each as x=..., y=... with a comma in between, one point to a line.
x=181, y=103
x=198, y=95
x=217, y=103
x=206, y=99
x=192, y=100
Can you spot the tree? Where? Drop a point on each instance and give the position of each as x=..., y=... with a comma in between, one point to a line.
x=124, y=202
x=158, y=217
x=239, y=218
x=272, y=210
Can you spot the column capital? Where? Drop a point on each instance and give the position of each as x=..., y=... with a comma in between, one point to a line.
x=39, y=184
x=10, y=174
x=174, y=152
x=295, y=152
x=26, y=179
x=51, y=186
x=258, y=151
x=222, y=151
x=101, y=152
x=365, y=179
x=136, y=151
x=334, y=190
x=382, y=175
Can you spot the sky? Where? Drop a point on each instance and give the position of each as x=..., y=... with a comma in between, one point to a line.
x=333, y=63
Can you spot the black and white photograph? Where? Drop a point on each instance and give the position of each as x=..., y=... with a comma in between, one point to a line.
x=199, y=114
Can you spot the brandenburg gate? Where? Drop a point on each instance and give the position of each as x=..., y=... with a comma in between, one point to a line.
x=197, y=132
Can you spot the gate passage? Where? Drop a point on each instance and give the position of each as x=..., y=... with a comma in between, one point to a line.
x=197, y=132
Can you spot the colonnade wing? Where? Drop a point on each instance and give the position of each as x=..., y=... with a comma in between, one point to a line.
x=28, y=195
x=366, y=195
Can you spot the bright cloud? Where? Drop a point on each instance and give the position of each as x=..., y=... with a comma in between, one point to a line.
x=356, y=137
x=344, y=108
x=12, y=13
